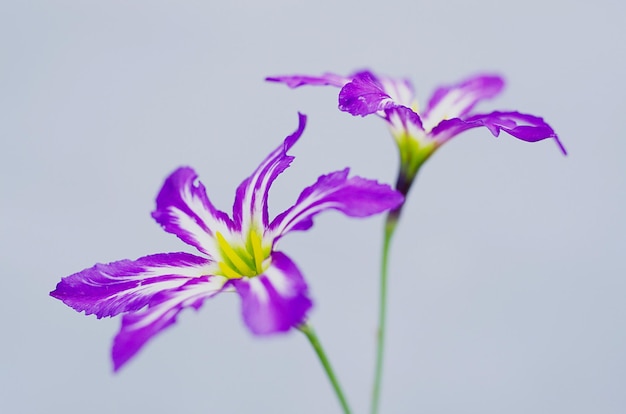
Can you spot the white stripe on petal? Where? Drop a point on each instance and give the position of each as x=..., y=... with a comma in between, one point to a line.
x=128, y=285
x=458, y=100
x=258, y=290
x=198, y=237
x=184, y=209
x=281, y=282
x=400, y=91
x=176, y=301
x=250, y=207
x=275, y=301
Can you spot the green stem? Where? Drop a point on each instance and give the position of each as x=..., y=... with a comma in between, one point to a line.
x=403, y=185
x=308, y=331
x=390, y=227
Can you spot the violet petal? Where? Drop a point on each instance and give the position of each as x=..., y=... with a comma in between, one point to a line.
x=127, y=285
x=251, y=196
x=294, y=81
x=275, y=301
x=364, y=95
x=183, y=208
x=354, y=197
x=525, y=127
x=455, y=101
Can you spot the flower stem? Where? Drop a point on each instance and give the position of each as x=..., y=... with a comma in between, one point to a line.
x=308, y=331
x=390, y=227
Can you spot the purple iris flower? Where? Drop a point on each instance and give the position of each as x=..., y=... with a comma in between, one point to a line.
x=419, y=132
x=236, y=254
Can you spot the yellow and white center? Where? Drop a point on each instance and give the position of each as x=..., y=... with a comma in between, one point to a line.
x=250, y=258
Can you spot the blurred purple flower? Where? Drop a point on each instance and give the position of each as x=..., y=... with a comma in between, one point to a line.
x=418, y=133
x=237, y=254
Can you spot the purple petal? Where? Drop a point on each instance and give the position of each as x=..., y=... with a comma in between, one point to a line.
x=183, y=208
x=251, y=197
x=369, y=93
x=139, y=327
x=294, y=81
x=526, y=127
x=355, y=197
x=455, y=101
x=275, y=301
x=109, y=289
x=400, y=90
x=364, y=95
x=403, y=120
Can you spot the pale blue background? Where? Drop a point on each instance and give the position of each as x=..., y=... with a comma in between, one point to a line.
x=507, y=291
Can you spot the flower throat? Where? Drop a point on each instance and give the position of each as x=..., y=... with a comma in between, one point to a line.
x=239, y=261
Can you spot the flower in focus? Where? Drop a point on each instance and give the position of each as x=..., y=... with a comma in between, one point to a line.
x=419, y=132
x=237, y=253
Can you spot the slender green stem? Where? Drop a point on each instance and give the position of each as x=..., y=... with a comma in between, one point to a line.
x=308, y=331
x=403, y=185
x=390, y=227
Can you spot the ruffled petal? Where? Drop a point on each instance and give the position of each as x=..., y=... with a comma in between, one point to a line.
x=526, y=127
x=139, y=327
x=368, y=93
x=455, y=101
x=294, y=81
x=355, y=197
x=364, y=95
x=127, y=285
x=275, y=301
x=251, y=197
x=183, y=208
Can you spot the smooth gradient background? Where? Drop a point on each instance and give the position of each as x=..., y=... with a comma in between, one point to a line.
x=508, y=285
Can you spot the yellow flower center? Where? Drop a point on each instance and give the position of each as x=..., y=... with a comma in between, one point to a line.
x=249, y=259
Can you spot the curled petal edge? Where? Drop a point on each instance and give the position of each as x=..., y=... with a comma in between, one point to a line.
x=529, y=128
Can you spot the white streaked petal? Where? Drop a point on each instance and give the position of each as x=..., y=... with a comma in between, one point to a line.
x=250, y=208
x=184, y=209
x=128, y=285
x=275, y=301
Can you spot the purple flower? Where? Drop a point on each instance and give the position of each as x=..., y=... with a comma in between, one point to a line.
x=237, y=254
x=419, y=133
